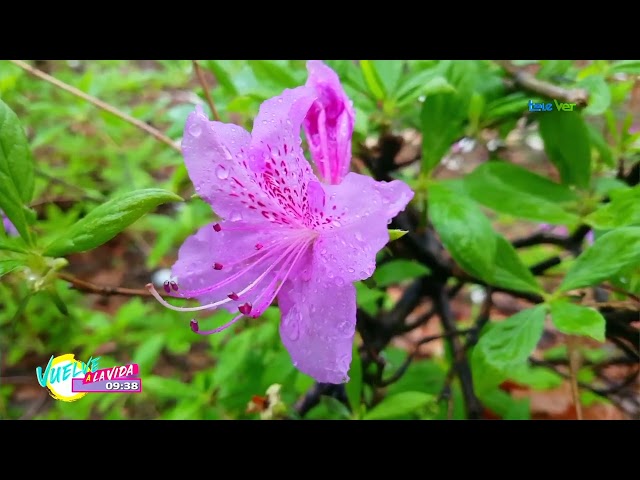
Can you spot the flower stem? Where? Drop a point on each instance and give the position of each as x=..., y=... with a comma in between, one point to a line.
x=98, y=103
x=574, y=366
x=205, y=87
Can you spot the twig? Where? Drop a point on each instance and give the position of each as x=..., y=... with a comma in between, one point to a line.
x=407, y=361
x=574, y=366
x=203, y=83
x=98, y=103
x=88, y=287
x=461, y=365
x=546, y=89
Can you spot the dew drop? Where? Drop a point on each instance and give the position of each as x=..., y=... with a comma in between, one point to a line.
x=336, y=223
x=235, y=217
x=358, y=236
x=293, y=327
x=227, y=153
x=222, y=172
x=363, y=274
x=195, y=130
x=350, y=270
x=339, y=281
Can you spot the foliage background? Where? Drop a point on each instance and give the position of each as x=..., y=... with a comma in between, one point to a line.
x=459, y=132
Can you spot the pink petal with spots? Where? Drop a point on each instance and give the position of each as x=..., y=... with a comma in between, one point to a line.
x=276, y=153
x=216, y=156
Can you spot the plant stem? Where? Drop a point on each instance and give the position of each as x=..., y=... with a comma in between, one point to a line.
x=205, y=87
x=574, y=366
x=98, y=103
x=84, y=286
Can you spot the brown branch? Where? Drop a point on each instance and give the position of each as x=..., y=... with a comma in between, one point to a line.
x=407, y=361
x=529, y=82
x=89, y=287
x=205, y=87
x=98, y=103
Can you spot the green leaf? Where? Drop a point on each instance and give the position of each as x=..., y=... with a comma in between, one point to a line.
x=221, y=75
x=464, y=230
x=16, y=171
x=511, y=189
x=578, y=320
x=626, y=66
x=12, y=245
x=468, y=235
x=621, y=211
x=509, y=343
x=599, y=94
x=354, y=386
x=148, y=352
x=509, y=271
x=397, y=271
x=609, y=254
x=512, y=105
x=442, y=121
x=268, y=70
x=372, y=79
x=389, y=72
x=106, y=221
x=600, y=144
x=566, y=141
x=395, y=234
x=7, y=266
x=400, y=405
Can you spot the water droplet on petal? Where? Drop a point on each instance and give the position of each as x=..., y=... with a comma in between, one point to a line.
x=363, y=274
x=235, y=217
x=358, y=236
x=222, y=172
x=227, y=153
x=195, y=130
x=339, y=281
x=293, y=326
x=336, y=223
x=264, y=122
x=350, y=270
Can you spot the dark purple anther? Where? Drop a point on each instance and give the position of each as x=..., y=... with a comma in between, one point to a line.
x=217, y=266
x=233, y=296
x=166, y=286
x=217, y=227
x=245, y=308
x=174, y=286
x=259, y=246
x=194, y=326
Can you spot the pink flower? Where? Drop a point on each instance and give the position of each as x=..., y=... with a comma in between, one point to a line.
x=284, y=233
x=8, y=226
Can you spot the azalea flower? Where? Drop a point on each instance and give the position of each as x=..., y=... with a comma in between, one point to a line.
x=8, y=226
x=562, y=230
x=285, y=234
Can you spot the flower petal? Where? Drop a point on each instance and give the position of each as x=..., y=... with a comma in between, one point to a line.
x=329, y=123
x=358, y=211
x=285, y=174
x=233, y=249
x=216, y=156
x=318, y=325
